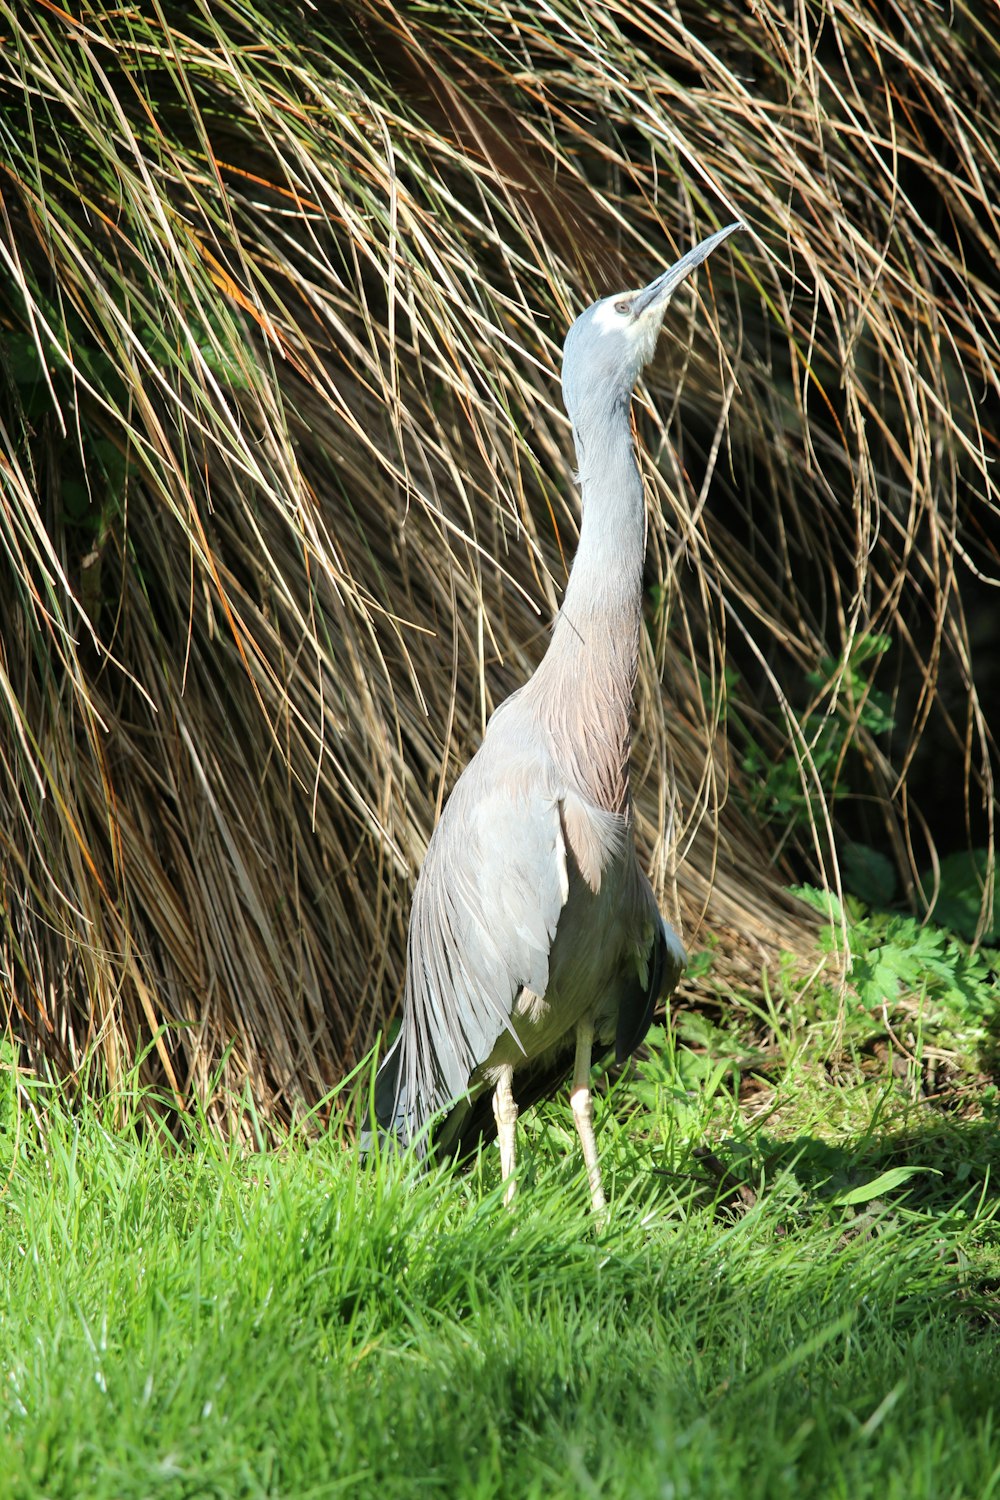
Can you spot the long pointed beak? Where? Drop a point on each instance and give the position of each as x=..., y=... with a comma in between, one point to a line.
x=658, y=292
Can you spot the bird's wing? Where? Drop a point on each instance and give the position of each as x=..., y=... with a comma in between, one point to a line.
x=658, y=971
x=659, y=964
x=484, y=915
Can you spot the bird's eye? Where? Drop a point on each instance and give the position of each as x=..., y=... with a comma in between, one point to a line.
x=623, y=306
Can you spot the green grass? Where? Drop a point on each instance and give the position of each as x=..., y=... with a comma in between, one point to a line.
x=795, y=1295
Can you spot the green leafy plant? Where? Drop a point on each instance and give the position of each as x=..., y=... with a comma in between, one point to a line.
x=961, y=883
x=784, y=788
x=868, y=874
x=894, y=955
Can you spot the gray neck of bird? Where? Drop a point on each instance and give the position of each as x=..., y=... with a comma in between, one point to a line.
x=590, y=666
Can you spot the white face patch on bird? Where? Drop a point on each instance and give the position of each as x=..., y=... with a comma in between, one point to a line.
x=616, y=315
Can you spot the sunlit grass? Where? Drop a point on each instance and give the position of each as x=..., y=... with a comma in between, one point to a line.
x=792, y=1301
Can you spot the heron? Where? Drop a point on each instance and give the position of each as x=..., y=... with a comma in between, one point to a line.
x=534, y=936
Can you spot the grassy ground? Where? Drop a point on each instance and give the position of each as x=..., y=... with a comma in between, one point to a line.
x=795, y=1294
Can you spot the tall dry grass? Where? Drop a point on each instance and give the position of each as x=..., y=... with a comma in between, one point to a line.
x=287, y=503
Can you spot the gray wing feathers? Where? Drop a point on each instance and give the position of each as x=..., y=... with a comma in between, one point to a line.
x=485, y=911
x=664, y=967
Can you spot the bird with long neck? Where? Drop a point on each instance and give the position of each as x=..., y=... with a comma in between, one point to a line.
x=534, y=932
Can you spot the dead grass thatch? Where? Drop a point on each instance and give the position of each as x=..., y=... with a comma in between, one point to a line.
x=287, y=497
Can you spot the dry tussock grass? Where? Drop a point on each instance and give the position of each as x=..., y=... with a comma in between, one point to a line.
x=287, y=501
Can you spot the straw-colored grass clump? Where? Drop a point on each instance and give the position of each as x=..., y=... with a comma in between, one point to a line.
x=287, y=491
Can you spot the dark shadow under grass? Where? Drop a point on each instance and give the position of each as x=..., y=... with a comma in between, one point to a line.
x=211, y=1323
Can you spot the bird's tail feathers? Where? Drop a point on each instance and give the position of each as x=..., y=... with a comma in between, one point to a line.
x=390, y=1125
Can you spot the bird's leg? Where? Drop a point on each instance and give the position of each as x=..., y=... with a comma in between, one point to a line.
x=583, y=1113
x=505, y=1114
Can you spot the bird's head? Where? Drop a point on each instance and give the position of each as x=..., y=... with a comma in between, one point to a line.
x=609, y=344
